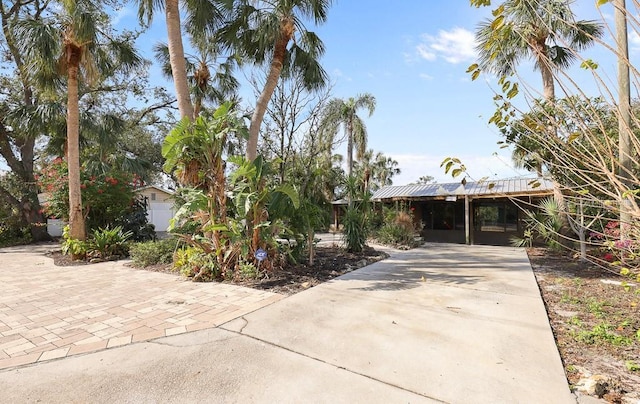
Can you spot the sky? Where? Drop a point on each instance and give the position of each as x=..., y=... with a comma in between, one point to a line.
x=412, y=56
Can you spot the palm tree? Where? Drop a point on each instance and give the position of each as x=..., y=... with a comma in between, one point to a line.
x=385, y=168
x=533, y=29
x=217, y=88
x=538, y=30
x=273, y=32
x=376, y=170
x=345, y=113
x=202, y=16
x=74, y=46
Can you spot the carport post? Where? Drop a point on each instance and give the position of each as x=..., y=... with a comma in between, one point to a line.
x=467, y=221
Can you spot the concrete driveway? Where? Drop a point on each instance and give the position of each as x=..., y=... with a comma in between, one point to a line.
x=442, y=323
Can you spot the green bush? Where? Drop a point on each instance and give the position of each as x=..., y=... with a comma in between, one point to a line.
x=76, y=248
x=136, y=221
x=355, y=229
x=194, y=263
x=395, y=234
x=106, y=197
x=109, y=242
x=153, y=252
x=102, y=244
x=398, y=229
x=14, y=234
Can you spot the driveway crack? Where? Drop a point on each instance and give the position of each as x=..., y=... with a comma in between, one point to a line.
x=335, y=365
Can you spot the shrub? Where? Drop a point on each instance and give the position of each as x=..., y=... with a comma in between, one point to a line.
x=13, y=232
x=107, y=243
x=106, y=197
x=153, y=252
x=398, y=229
x=394, y=234
x=76, y=248
x=355, y=229
x=195, y=263
x=248, y=270
x=103, y=244
x=136, y=221
x=13, y=229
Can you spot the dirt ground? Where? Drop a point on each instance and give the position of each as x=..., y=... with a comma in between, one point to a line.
x=595, y=319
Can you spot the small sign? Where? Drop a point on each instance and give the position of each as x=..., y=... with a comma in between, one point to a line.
x=451, y=198
x=260, y=254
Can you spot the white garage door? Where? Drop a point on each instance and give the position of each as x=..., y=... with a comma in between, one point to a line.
x=159, y=215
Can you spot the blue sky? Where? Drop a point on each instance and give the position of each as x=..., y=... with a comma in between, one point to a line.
x=412, y=55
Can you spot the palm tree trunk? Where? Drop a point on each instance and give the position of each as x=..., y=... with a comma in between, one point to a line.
x=76, y=219
x=279, y=53
x=625, y=162
x=349, y=148
x=548, y=84
x=177, y=59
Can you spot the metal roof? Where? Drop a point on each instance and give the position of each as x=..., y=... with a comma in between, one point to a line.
x=513, y=186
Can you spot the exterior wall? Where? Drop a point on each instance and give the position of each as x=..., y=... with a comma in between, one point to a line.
x=55, y=226
x=443, y=236
x=155, y=195
x=160, y=209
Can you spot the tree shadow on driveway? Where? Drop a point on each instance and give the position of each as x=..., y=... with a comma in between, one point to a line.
x=403, y=280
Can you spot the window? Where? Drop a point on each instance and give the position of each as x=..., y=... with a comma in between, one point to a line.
x=153, y=196
x=443, y=216
x=496, y=217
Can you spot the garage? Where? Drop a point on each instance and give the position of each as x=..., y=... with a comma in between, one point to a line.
x=160, y=209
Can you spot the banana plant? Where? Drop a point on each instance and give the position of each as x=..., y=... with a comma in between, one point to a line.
x=195, y=153
x=253, y=199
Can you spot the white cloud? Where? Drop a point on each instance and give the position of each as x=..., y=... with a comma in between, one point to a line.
x=634, y=41
x=425, y=52
x=454, y=46
x=425, y=76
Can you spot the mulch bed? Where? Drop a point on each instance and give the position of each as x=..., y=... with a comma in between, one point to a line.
x=595, y=320
x=329, y=263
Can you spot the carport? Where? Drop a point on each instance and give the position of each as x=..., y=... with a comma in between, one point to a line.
x=483, y=212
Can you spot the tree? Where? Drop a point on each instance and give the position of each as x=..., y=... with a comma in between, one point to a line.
x=585, y=156
x=20, y=123
x=425, y=179
x=273, y=32
x=376, y=170
x=624, y=110
x=74, y=46
x=217, y=87
x=344, y=113
x=202, y=16
x=290, y=122
x=545, y=31
x=196, y=151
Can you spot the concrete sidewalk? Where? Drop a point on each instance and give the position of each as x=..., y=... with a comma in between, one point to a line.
x=442, y=323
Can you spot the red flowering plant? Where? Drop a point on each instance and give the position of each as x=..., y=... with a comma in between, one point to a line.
x=106, y=197
x=617, y=251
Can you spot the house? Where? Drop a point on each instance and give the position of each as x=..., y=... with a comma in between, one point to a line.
x=160, y=209
x=487, y=212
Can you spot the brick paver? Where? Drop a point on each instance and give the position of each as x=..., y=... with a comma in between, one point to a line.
x=49, y=312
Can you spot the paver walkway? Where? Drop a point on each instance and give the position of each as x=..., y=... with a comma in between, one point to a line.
x=49, y=312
